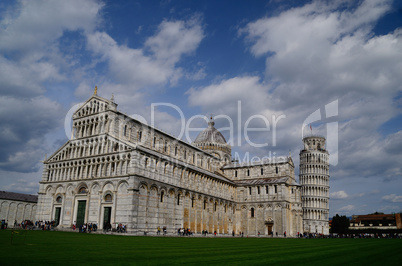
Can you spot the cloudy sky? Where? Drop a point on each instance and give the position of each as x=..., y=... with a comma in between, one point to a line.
x=241, y=61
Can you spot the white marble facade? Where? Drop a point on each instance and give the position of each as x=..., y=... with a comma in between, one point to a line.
x=118, y=169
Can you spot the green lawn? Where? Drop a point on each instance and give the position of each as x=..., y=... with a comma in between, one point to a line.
x=49, y=248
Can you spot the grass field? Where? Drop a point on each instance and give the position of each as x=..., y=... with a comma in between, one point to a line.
x=49, y=248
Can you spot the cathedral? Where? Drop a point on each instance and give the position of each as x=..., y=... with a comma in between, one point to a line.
x=116, y=169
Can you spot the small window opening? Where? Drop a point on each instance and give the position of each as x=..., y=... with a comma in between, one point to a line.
x=108, y=198
x=59, y=199
x=82, y=190
x=252, y=212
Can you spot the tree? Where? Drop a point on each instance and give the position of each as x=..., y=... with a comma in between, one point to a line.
x=340, y=224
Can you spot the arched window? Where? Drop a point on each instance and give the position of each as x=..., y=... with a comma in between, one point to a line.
x=125, y=130
x=252, y=212
x=108, y=197
x=205, y=204
x=59, y=199
x=262, y=171
x=162, y=194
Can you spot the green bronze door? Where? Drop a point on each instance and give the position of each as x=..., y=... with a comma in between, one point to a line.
x=81, y=212
x=57, y=216
x=107, y=213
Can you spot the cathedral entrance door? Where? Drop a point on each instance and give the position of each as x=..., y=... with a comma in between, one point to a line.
x=57, y=216
x=107, y=214
x=81, y=212
x=269, y=224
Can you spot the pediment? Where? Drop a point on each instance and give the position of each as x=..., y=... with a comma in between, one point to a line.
x=95, y=104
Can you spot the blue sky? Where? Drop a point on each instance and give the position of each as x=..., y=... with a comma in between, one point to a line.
x=276, y=58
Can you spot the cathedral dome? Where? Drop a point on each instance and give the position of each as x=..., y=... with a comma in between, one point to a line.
x=210, y=135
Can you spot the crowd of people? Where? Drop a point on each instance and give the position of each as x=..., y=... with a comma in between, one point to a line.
x=87, y=228
x=184, y=232
x=30, y=225
x=122, y=228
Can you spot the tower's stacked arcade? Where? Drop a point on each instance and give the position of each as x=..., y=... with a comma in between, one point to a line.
x=314, y=179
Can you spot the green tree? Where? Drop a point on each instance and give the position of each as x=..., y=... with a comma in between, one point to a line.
x=340, y=224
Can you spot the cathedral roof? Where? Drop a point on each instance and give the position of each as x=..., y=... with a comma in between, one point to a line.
x=262, y=181
x=210, y=135
x=18, y=196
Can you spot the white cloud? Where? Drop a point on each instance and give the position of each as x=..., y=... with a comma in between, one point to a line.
x=347, y=208
x=339, y=195
x=174, y=39
x=33, y=24
x=140, y=69
x=392, y=198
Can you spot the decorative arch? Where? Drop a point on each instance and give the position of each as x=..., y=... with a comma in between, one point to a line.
x=122, y=186
x=143, y=187
x=49, y=189
x=108, y=185
x=95, y=188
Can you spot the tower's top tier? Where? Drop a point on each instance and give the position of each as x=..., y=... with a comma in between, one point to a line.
x=314, y=143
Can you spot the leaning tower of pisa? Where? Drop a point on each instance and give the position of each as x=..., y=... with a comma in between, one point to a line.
x=314, y=180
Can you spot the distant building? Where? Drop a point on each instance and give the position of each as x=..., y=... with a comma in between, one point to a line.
x=376, y=222
x=17, y=207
